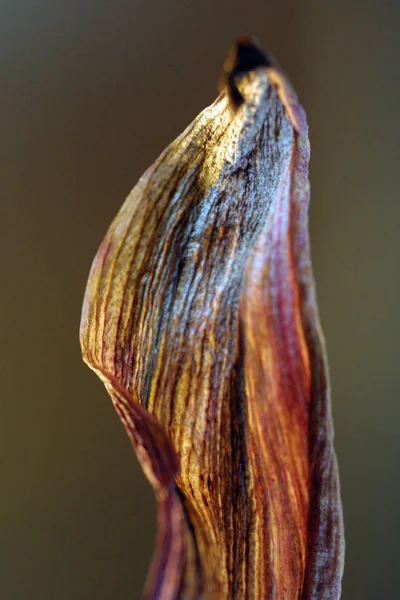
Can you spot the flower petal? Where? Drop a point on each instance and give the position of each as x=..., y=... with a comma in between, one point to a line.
x=201, y=319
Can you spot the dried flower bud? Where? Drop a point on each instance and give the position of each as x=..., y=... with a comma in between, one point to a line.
x=201, y=319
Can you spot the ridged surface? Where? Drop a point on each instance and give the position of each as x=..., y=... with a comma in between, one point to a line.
x=200, y=317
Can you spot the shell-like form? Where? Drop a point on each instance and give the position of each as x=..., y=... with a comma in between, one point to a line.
x=201, y=319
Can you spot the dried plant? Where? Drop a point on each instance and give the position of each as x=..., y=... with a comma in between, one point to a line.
x=200, y=317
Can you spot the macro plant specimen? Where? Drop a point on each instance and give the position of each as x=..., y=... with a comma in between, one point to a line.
x=200, y=317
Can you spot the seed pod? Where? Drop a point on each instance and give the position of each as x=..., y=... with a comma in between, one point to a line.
x=200, y=317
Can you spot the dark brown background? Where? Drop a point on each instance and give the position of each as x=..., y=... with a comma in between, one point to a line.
x=90, y=93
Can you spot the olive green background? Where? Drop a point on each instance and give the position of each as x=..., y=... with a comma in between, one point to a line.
x=90, y=93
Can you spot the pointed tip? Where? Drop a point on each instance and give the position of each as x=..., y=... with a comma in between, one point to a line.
x=245, y=56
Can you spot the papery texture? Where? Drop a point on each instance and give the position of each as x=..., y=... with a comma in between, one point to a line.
x=200, y=317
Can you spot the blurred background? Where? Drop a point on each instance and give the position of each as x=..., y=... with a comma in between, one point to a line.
x=90, y=93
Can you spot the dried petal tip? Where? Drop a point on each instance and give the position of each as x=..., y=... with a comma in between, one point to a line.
x=244, y=56
x=200, y=317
